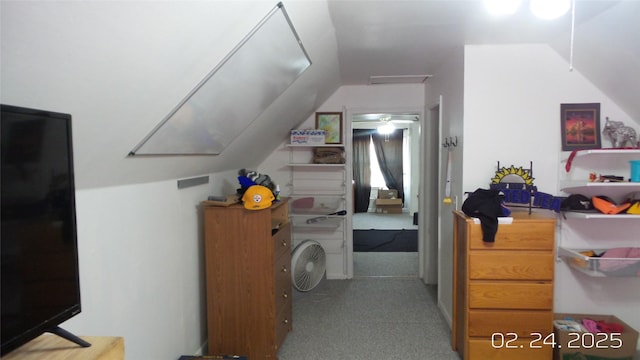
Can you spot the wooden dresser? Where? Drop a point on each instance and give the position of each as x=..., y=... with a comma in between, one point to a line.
x=248, y=261
x=503, y=291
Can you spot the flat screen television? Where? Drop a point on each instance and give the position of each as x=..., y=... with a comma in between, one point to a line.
x=39, y=254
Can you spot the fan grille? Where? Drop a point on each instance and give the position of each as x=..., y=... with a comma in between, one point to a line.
x=308, y=265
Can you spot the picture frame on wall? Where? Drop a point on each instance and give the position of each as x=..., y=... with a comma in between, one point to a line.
x=580, y=126
x=331, y=123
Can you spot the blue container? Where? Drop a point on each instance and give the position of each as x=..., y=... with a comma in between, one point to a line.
x=635, y=170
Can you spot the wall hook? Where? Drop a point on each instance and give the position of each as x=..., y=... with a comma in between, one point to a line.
x=449, y=142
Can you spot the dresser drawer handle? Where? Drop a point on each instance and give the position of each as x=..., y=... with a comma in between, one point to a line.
x=284, y=243
x=285, y=295
x=285, y=321
x=284, y=268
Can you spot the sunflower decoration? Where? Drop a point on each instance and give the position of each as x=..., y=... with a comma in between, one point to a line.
x=513, y=175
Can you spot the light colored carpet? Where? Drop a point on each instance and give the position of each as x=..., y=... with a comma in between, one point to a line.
x=366, y=221
x=385, y=264
x=368, y=318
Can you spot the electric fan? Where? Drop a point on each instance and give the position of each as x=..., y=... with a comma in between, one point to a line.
x=308, y=265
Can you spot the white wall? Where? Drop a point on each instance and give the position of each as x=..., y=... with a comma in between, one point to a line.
x=142, y=266
x=119, y=67
x=375, y=98
x=512, y=115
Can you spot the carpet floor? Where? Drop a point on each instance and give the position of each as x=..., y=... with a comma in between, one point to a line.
x=368, y=319
x=402, y=264
x=385, y=240
x=368, y=221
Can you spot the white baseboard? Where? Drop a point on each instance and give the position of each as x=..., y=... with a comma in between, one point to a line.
x=203, y=348
x=447, y=316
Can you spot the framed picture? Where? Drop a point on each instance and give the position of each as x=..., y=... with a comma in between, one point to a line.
x=331, y=123
x=580, y=126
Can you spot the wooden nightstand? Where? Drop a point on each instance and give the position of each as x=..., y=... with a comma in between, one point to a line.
x=52, y=347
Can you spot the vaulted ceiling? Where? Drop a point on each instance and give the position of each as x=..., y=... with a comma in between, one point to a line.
x=120, y=66
x=401, y=38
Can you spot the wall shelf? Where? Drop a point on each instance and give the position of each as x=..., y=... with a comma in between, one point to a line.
x=598, y=215
x=318, y=190
x=314, y=165
x=316, y=205
x=593, y=266
x=314, y=145
x=612, y=189
x=326, y=223
x=298, y=191
x=607, y=152
x=574, y=180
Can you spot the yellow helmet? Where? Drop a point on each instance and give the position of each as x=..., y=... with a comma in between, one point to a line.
x=257, y=197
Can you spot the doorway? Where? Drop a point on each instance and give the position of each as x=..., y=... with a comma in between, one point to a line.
x=386, y=240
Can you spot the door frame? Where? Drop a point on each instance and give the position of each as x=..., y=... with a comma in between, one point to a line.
x=432, y=188
x=348, y=113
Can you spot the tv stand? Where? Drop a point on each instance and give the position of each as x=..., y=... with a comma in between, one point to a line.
x=69, y=336
x=53, y=347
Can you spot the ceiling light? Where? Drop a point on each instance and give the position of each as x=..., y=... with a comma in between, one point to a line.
x=544, y=9
x=386, y=129
x=502, y=7
x=549, y=9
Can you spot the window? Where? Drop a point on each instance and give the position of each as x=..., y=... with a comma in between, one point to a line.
x=377, y=180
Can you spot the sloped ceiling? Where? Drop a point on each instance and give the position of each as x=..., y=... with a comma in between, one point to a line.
x=120, y=67
x=607, y=51
x=416, y=37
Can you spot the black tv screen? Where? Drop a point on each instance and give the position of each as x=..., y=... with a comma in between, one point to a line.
x=39, y=255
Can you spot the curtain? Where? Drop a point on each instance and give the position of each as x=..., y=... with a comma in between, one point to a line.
x=389, y=152
x=361, y=169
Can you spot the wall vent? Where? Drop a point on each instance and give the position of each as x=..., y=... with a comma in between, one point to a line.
x=398, y=79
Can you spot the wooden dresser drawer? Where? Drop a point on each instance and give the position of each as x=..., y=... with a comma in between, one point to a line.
x=484, y=323
x=511, y=265
x=282, y=241
x=282, y=291
x=283, y=323
x=482, y=349
x=533, y=235
x=282, y=277
x=510, y=295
